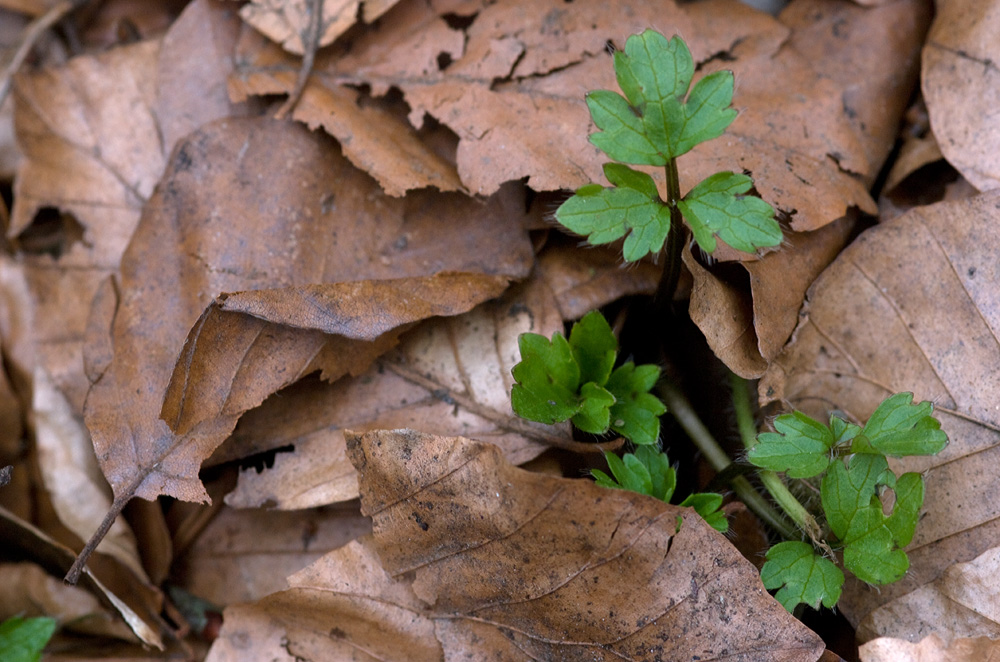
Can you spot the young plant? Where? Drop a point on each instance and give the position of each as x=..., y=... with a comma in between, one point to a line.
x=656, y=122
x=849, y=463
x=23, y=639
x=576, y=380
x=648, y=471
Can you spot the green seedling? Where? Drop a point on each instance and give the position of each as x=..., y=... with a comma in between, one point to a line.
x=648, y=471
x=849, y=463
x=22, y=639
x=655, y=122
x=575, y=380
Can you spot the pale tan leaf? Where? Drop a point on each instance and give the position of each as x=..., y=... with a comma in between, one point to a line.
x=931, y=649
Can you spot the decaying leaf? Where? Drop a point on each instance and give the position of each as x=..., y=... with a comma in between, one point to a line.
x=930, y=649
x=960, y=82
x=911, y=306
x=287, y=21
x=462, y=563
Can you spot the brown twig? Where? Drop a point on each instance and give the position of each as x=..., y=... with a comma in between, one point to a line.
x=73, y=576
x=31, y=35
x=310, y=44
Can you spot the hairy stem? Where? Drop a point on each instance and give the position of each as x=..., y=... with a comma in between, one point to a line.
x=675, y=239
x=678, y=405
x=771, y=481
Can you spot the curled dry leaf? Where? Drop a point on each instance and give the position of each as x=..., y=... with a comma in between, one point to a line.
x=211, y=228
x=505, y=558
x=473, y=557
x=912, y=306
x=287, y=21
x=449, y=376
x=961, y=85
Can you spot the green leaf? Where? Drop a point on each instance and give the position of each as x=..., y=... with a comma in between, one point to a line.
x=547, y=379
x=604, y=215
x=716, y=207
x=872, y=540
x=663, y=476
x=636, y=412
x=595, y=348
x=595, y=409
x=707, y=505
x=655, y=124
x=842, y=430
x=800, y=448
x=898, y=428
x=625, y=478
x=22, y=639
x=802, y=575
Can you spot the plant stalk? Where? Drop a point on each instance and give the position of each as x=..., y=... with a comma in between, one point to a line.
x=675, y=239
x=678, y=405
x=771, y=481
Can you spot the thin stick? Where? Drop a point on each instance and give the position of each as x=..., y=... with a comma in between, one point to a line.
x=310, y=44
x=678, y=405
x=73, y=576
x=31, y=35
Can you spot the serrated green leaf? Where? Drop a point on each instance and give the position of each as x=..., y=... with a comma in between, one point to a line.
x=655, y=74
x=625, y=478
x=842, y=430
x=847, y=491
x=874, y=558
x=595, y=409
x=899, y=428
x=622, y=136
x=547, y=379
x=22, y=639
x=663, y=476
x=707, y=505
x=802, y=575
x=800, y=448
x=595, y=348
x=612, y=213
x=716, y=207
x=902, y=522
x=636, y=412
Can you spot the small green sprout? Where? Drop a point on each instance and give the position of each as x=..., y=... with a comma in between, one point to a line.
x=648, y=471
x=576, y=380
x=656, y=121
x=850, y=463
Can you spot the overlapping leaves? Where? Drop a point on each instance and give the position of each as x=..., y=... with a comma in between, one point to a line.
x=855, y=474
x=653, y=124
x=575, y=380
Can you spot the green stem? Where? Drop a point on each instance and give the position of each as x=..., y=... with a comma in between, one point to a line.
x=678, y=405
x=675, y=238
x=771, y=481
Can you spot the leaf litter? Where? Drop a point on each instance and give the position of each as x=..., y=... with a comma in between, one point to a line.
x=429, y=98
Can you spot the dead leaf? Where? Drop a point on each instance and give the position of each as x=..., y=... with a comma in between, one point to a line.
x=243, y=555
x=911, y=306
x=964, y=602
x=287, y=21
x=931, y=649
x=449, y=376
x=478, y=537
x=960, y=83
x=342, y=606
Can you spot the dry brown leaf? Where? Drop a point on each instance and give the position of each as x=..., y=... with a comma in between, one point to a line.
x=287, y=21
x=961, y=86
x=243, y=555
x=24, y=539
x=344, y=606
x=931, y=649
x=211, y=228
x=964, y=602
x=912, y=306
x=373, y=138
x=506, y=558
x=449, y=376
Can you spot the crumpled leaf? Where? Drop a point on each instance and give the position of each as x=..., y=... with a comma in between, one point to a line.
x=188, y=248
x=483, y=563
x=875, y=323
x=288, y=21
x=959, y=82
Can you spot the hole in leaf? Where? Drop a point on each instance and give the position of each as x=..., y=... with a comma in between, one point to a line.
x=51, y=232
x=444, y=60
x=264, y=460
x=457, y=21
